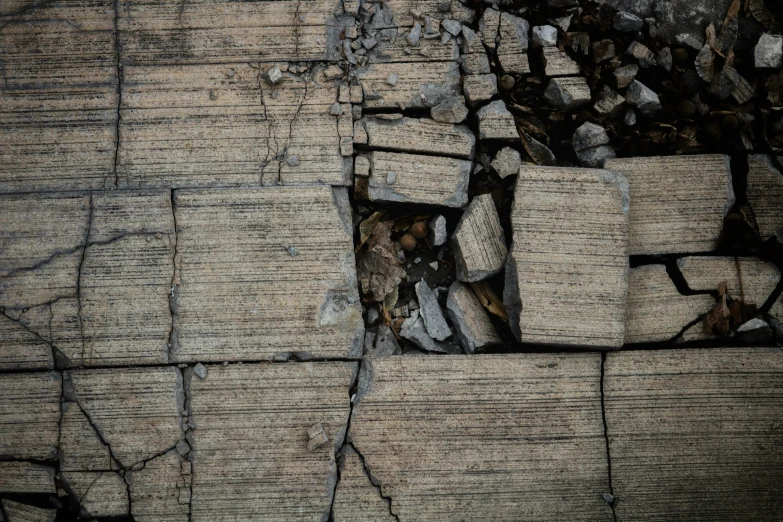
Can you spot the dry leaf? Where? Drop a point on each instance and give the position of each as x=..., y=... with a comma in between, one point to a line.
x=367, y=227
x=712, y=39
x=538, y=152
x=378, y=269
x=733, y=11
x=489, y=300
x=705, y=63
x=758, y=9
x=718, y=320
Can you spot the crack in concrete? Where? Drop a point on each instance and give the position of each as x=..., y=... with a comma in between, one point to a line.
x=79, y=279
x=606, y=439
x=119, y=92
x=175, y=278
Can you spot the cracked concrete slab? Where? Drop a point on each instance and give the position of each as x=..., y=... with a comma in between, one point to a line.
x=18, y=512
x=251, y=423
x=29, y=415
x=23, y=348
x=243, y=295
x=356, y=498
x=677, y=202
x=694, y=434
x=80, y=446
x=160, y=492
x=418, y=85
x=765, y=195
x=99, y=493
x=566, y=276
x=26, y=477
x=484, y=437
x=60, y=94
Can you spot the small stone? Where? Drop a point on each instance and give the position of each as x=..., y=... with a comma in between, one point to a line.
x=643, y=98
x=743, y=92
x=275, y=74
x=625, y=21
x=608, y=498
x=642, y=53
x=292, y=160
x=479, y=87
x=434, y=266
x=564, y=22
x=590, y=144
x=630, y=117
x=725, y=82
x=391, y=177
x=625, y=75
x=603, y=50
x=200, y=370
x=292, y=251
x=579, y=42
x=450, y=110
x=392, y=79
x=317, y=437
x=507, y=162
x=414, y=330
x=438, y=234
x=415, y=35
x=417, y=261
x=507, y=82
x=567, y=93
x=336, y=109
x=372, y=316
x=664, y=59
x=183, y=448
x=473, y=328
x=690, y=41
x=431, y=312
x=755, y=331
x=495, y=122
x=213, y=95
x=333, y=72
x=609, y=101
x=452, y=27
x=381, y=343
x=544, y=36
x=478, y=242
x=361, y=166
x=768, y=53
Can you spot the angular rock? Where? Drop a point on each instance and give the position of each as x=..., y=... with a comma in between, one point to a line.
x=765, y=195
x=381, y=343
x=609, y=102
x=478, y=242
x=26, y=477
x=625, y=75
x=755, y=331
x=656, y=311
x=489, y=25
x=664, y=59
x=438, y=234
x=643, y=98
x=513, y=43
x=200, y=370
x=471, y=323
x=413, y=178
x=630, y=117
x=479, y=87
x=725, y=82
x=418, y=135
x=414, y=330
x=768, y=53
x=603, y=50
x=496, y=123
x=450, y=110
x=474, y=57
x=625, y=21
x=558, y=63
x=590, y=143
x=567, y=93
x=29, y=415
x=431, y=313
x=507, y=162
x=544, y=36
x=18, y=512
x=453, y=27
x=667, y=188
x=317, y=437
x=743, y=92
x=642, y=53
x=566, y=277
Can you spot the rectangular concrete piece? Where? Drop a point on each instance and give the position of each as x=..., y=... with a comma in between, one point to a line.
x=419, y=135
x=566, y=276
x=29, y=415
x=696, y=434
x=677, y=202
x=264, y=273
x=512, y=437
x=250, y=453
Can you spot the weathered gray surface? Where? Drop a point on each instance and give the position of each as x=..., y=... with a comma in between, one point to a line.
x=694, y=434
x=356, y=498
x=656, y=311
x=242, y=296
x=471, y=322
x=677, y=202
x=447, y=441
x=566, y=276
x=419, y=135
x=478, y=242
x=26, y=477
x=266, y=472
x=17, y=512
x=558, y=63
x=99, y=493
x=765, y=195
x=29, y=413
x=81, y=448
x=418, y=84
x=161, y=491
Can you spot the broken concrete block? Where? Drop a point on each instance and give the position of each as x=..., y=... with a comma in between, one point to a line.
x=755, y=331
x=460, y=403
x=474, y=58
x=513, y=43
x=558, y=63
x=655, y=310
x=478, y=242
x=566, y=277
x=414, y=330
x=625, y=75
x=417, y=86
x=419, y=135
x=642, y=53
x=479, y=87
x=414, y=178
x=697, y=395
x=81, y=448
x=431, y=313
x=667, y=188
x=590, y=143
x=356, y=498
x=567, y=93
x=381, y=343
x=18, y=512
x=747, y=278
x=643, y=98
x=317, y=437
x=29, y=415
x=544, y=36
x=99, y=493
x=136, y=411
x=26, y=477
x=450, y=110
x=765, y=195
x=496, y=123
x=222, y=257
x=21, y=348
x=438, y=234
x=257, y=477
x=609, y=102
x=768, y=53
x=507, y=162
x=489, y=26
x=161, y=490
x=472, y=326
x=625, y=21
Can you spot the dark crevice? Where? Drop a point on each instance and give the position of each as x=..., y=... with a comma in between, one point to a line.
x=79, y=281
x=612, y=500
x=119, y=92
x=187, y=433
x=171, y=344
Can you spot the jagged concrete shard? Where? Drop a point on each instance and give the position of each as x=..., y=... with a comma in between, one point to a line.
x=566, y=275
x=26, y=477
x=227, y=125
x=677, y=202
x=136, y=412
x=425, y=424
x=419, y=85
x=250, y=455
x=419, y=135
x=765, y=195
x=60, y=93
x=23, y=348
x=29, y=415
x=80, y=445
x=265, y=273
x=356, y=498
x=684, y=425
x=18, y=512
x=656, y=311
x=99, y=493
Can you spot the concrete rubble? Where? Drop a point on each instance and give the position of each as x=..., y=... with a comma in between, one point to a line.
x=471, y=322
x=478, y=241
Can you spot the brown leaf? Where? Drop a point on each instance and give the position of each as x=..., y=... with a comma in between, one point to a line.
x=538, y=152
x=367, y=227
x=733, y=11
x=718, y=320
x=489, y=300
x=711, y=37
x=705, y=63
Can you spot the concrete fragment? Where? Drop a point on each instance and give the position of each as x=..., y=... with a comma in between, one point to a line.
x=438, y=234
x=489, y=26
x=414, y=330
x=26, y=477
x=625, y=75
x=29, y=415
x=558, y=63
x=609, y=102
x=200, y=370
x=381, y=343
x=664, y=59
x=275, y=75
x=317, y=437
x=471, y=323
x=453, y=27
x=755, y=331
x=590, y=143
x=478, y=242
x=507, y=162
x=643, y=98
x=768, y=53
x=418, y=135
x=474, y=57
x=18, y=512
x=662, y=188
x=642, y=53
x=625, y=21
x=99, y=493
x=630, y=117
x=603, y=50
x=496, y=122
x=418, y=86
x=450, y=110
x=479, y=87
x=765, y=195
x=446, y=179
x=566, y=277
x=567, y=93
x=544, y=36
x=743, y=92
x=431, y=313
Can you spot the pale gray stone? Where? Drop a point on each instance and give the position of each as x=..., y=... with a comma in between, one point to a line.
x=479, y=87
x=453, y=27
x=200, y=370
x=643, y=98
x=544, y=36
x=664, y=58
x=625, y=75
x=625, y=21
x=372, y=316
x=590, y=144
x=768, y=53
x=450, y=110
x=755, y=331
x=507, y=162
x=414, y=330
x=495, y=122
x=471, y=323
x=381, y=343
x=275, y=75
x=630, y=117
x=567, y=93
x=438, y=234
x=431, y=313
